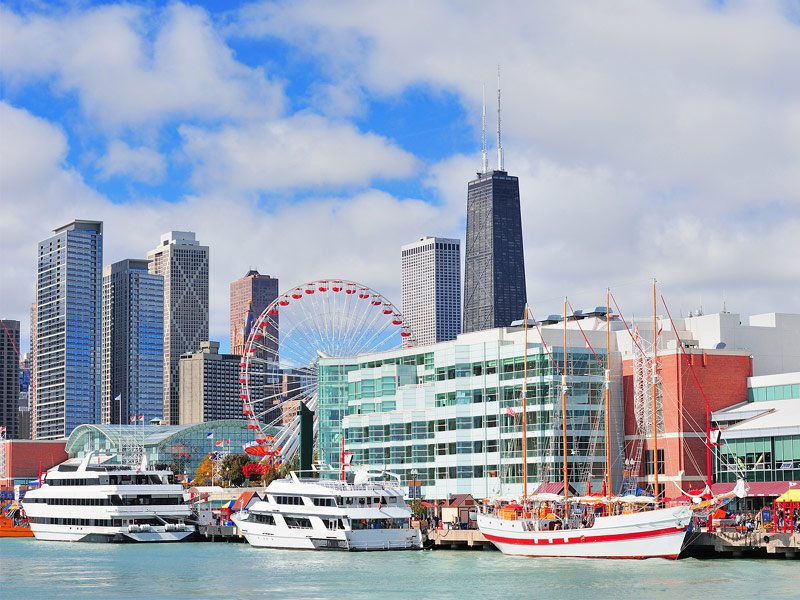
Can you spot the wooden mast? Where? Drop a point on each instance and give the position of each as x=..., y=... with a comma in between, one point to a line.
x=525, y=413
x=564, y=416
x=608, y=395
x=654, y=375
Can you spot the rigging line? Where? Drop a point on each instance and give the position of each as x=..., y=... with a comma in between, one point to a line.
x=572, y=310
x=541, y=337
x=626, y=325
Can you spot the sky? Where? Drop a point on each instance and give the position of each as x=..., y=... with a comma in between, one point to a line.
x=312, y=139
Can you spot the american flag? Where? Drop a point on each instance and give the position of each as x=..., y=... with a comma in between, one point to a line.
x=510, y=412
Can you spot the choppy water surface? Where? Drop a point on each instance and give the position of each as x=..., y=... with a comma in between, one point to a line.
x=33, y=569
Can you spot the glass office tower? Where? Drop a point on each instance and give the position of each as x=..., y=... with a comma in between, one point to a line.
x=68, y=308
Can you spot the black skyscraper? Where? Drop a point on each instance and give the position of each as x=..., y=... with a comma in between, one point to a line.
x=494, y=265
x=494, y=269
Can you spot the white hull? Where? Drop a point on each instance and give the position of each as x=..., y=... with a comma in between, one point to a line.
x=265, y=536
x=650, y=534
x=70, y=533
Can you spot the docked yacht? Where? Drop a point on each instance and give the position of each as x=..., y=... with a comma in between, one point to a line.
x=327, y=514
x=103, y=503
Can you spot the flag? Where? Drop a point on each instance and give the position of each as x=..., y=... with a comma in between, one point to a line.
x=219, y=443
x=3, y=428
x=118, y=398
x=133, y=419
x=141, y=418
x=228, y=442
x=660, y=330
x=510, y=412
x=210, y=435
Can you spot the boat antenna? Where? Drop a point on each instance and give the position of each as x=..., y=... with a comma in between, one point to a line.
x=499, y=141
x=484, y=156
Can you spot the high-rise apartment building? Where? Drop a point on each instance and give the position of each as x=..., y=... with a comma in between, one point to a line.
x=67, y=339
x=9, y=377
x=132, y=343
x=183, y=263
x=250, y=294
x=431, y=282
x=494, y=263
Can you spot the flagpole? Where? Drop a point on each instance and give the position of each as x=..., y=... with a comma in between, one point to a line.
x=525, y=413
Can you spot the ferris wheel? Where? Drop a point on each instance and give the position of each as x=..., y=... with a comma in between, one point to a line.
x=327, y=318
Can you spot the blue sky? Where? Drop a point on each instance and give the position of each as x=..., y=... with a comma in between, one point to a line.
x=312, y=139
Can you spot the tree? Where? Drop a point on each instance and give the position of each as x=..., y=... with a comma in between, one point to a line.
x=202, y=476
x=232, y=466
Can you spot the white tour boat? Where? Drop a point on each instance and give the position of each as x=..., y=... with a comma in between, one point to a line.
x=330, y=514
x=102, y=503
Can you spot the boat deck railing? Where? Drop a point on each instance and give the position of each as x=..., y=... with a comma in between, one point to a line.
x=344, y=486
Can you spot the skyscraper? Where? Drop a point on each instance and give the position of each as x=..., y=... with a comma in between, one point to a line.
x=253, y=292
x=132, y=342
x=431, y=282
x=183, y=263
x=494, y=263
x=9, y=377
x=68, y=300
x=209, y=385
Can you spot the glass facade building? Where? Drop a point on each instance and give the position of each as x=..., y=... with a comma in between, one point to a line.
x=132, y=343
x=68, y=314
x=761, y=438
x=10, y=381
x=494, y=262
x=450, y=415
x=183, y=446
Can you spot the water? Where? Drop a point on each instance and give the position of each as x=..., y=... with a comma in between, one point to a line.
x=34, y=569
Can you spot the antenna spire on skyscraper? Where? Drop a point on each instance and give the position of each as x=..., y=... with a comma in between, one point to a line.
x=499, y=141
x=484, y=156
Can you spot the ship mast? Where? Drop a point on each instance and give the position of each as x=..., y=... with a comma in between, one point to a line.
x=564, y=417
x=654, y=375
x=608, y=395
x=525, y=413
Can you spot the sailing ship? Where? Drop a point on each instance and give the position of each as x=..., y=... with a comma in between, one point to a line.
x=557, y=525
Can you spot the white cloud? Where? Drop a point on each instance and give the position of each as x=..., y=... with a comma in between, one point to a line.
x=131, y=67
x=302, y=151
x=139, y=164
x=352, y=237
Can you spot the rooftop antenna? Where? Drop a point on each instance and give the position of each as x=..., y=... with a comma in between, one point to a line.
x=484, y=156
x=499, y=142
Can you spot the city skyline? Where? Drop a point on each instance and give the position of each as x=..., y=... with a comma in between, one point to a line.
x=313, y=142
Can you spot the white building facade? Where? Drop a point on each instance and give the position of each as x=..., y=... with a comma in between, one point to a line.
x=431, y=289
x=450, y=414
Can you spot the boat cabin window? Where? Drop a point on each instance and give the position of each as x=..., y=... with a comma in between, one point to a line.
x=265, y=519
x=333, y=524
x=296, y=500
x=298, y=522
x=324, y=501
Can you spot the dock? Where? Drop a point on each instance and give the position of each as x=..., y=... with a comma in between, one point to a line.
x=456, y=539
x=740, y=544
x=219, y=533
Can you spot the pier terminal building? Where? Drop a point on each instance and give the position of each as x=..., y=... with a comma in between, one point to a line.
x=449, y=415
